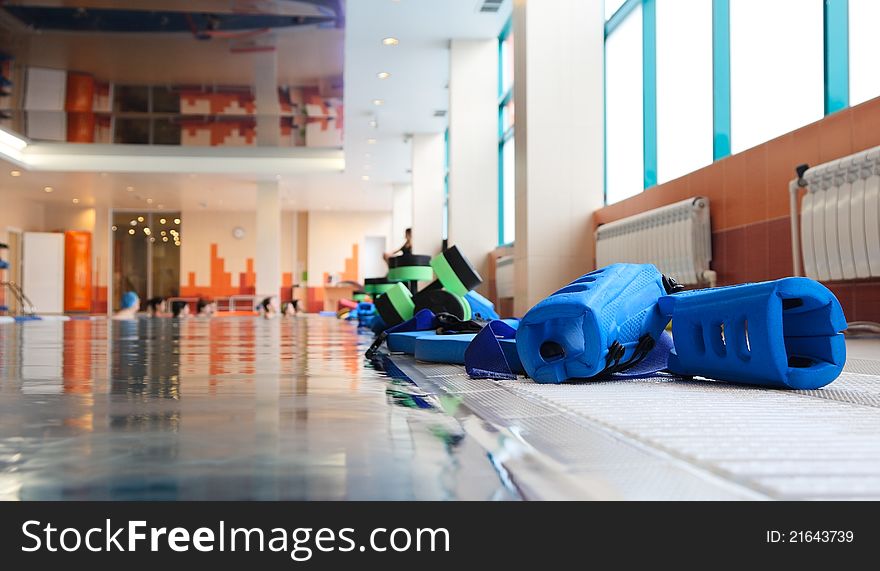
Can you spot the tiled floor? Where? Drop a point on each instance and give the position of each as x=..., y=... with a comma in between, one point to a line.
x=678, y=439
x=234, y=408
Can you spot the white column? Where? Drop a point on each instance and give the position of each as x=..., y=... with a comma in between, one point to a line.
x=266, y=99
x=267, y=259
x=473, y=148
x=427, y=193
x=559, y=55
x=401, y=212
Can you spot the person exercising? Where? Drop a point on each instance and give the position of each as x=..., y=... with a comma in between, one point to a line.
x=405, y=250
x=130, y=304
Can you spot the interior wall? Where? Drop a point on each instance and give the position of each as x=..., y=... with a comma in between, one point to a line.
x=21, y=213
x=332, y=236
x=749, y=202
x=205, y=231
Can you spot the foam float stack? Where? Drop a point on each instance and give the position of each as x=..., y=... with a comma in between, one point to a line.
x=449, y=293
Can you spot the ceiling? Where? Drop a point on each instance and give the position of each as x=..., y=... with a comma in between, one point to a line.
x=419, y=68
x=188, y=191
x=308, y=54
x=416, y=88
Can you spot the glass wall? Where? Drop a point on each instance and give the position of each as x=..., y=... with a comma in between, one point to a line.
x=684, y=92
x=687, y=81
x=776, y=68
x=624, y=134
x=864, y=45
x=506, y=146
x=146, y=254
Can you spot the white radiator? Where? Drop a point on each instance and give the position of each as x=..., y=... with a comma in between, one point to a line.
x=840, y=219
x=675, y=238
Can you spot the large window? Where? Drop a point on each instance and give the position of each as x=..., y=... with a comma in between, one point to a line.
x=506, y=146
x=689, y=81
x=445, y=229
x=624, y=135
x=684, y=92
x=864, y=45
x=776, y=68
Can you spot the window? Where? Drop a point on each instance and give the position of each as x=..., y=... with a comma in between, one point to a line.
x=776, y=76
x=506, y=145
x=864, y=44
x=624, y=135
x=612, y=6
x=684, y=87
x=445, y=230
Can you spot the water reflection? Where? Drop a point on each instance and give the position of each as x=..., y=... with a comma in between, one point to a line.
x=233, y=408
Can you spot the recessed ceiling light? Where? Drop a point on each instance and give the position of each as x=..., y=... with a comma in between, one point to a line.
x=177, y=220
x=131, y=231
x=165, y=239
x=162, y=221
x=371, y=141
x=76, y=200
x=14, y=173
x=366, y=177
x=147, y=231
x=140, y=218
x=48, y=189
x=378, y=102
x=129, y=188
x=134, y=222
x=383, y=75
x=113, y=228
x=149, y=201
x=390, y=41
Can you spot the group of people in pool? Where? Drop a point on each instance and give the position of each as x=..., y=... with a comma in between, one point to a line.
x=159, y=307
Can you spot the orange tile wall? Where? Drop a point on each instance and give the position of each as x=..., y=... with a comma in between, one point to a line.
x=748, y=193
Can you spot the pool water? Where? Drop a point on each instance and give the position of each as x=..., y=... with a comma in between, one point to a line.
x=221, y=409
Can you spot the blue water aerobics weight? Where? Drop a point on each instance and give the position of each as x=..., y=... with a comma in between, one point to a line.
x=597, y=324
x=785, y=333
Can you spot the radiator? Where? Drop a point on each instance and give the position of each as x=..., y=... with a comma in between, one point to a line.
x=839, y=234
x=675, y=238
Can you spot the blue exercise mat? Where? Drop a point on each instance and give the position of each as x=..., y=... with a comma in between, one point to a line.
x=405, y=342
x=450, y=349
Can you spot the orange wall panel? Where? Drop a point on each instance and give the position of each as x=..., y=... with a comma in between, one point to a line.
x=77, y=271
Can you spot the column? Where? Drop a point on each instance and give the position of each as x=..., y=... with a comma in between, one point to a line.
x=559, y=94
x=267, y=258
x=473, y=148
x=427, y=193
x=266, y=99
x=401, y=213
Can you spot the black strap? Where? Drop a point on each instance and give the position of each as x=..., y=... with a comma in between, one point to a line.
x=377, y=343
x=616, y=352
x=448, y=324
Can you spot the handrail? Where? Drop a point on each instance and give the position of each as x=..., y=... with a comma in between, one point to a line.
x=26, y=306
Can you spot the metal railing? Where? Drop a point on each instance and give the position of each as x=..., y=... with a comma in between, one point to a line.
x=25, y=306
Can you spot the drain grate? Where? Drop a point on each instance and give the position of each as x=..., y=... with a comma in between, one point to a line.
x=786, y=444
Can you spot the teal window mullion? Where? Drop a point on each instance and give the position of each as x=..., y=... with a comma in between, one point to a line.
x=649, y=79
x=720, y=79
x=836, y=55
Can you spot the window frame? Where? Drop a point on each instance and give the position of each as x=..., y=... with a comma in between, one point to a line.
x=504, y=135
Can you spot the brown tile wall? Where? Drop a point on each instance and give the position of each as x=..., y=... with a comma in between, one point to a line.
x=748, y=194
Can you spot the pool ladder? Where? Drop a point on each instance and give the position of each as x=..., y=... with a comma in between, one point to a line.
x=25, y=306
